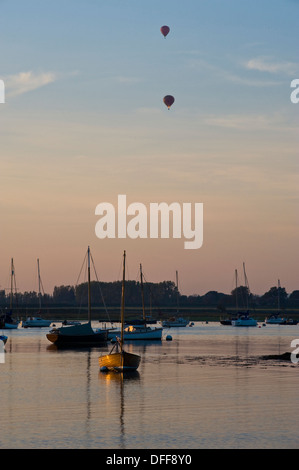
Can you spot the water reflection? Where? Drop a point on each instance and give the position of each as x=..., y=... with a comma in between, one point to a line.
x=120, y=380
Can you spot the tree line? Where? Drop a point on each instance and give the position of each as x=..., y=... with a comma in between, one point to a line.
x=162, y=294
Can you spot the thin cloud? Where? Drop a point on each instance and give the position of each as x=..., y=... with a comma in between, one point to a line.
x=247, y=122
x=25, y=82
x=264, y=65
x=127, y=80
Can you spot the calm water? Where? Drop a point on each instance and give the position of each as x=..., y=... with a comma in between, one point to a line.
x=207, y=388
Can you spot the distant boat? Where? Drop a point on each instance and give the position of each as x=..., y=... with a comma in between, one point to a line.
x=276, y=318
x=82, y=334
x=7, y=321
x=141, y=331
x=37, y=321
x=290, y=321
x=228, y=320
x=118, y=359
x=225, y=321
x=175, y=321
x=244, y=319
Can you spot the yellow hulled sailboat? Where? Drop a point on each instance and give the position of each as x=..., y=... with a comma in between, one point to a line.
x=118, y=359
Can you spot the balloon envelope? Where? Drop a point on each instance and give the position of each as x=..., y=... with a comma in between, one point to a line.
x=168, y=100
x=165, y=30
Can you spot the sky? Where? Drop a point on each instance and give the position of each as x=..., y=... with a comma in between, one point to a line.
x=84, y=121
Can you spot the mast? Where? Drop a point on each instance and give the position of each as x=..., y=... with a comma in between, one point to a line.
x=142, y=295
x=177, y=290
x=278, y=295
x=39, y=289
x=236, y=275
x=11, y=283
x=123, y=303
x=89, y=296
x=246, y=285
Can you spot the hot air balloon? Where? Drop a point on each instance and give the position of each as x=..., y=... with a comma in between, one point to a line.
x=168, y=100
x=165, y=30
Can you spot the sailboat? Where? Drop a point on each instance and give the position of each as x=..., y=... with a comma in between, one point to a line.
x=276, y=318
x=7, y=322
x=176, y=321
x=142, y=331
x=119, y=359
x=37, y=321
x=228, y=320
x=244, y=319
x=79, y=335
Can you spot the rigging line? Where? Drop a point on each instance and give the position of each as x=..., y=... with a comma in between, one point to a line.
x=81, y=269
x=103, y=300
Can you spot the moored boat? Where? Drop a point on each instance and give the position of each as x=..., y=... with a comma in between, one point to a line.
x=275, y=319
x=7, y=322
x=82, y=334
x=141, y=331
x=137, y=332
x=37, y=321
x=176, y=321
x=244, y=320
x=118, y=359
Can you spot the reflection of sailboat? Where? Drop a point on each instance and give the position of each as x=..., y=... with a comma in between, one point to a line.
x=7, y=321
x=79, y=335
x=118, y=359
x=37, y=321
x=139, y=332
x=176, y=321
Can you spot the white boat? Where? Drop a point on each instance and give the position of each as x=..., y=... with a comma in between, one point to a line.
x=37, y=321
x=244, y=320
x=7, y=322
x=276, y=319
x=138, y=332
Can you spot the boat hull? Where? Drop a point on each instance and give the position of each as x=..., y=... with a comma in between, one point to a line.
x=77, y=336
x=10, y=326
x=154, y=334
x=275, y=321
x=36, y=323
x=119, y=361
x=246, y=322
